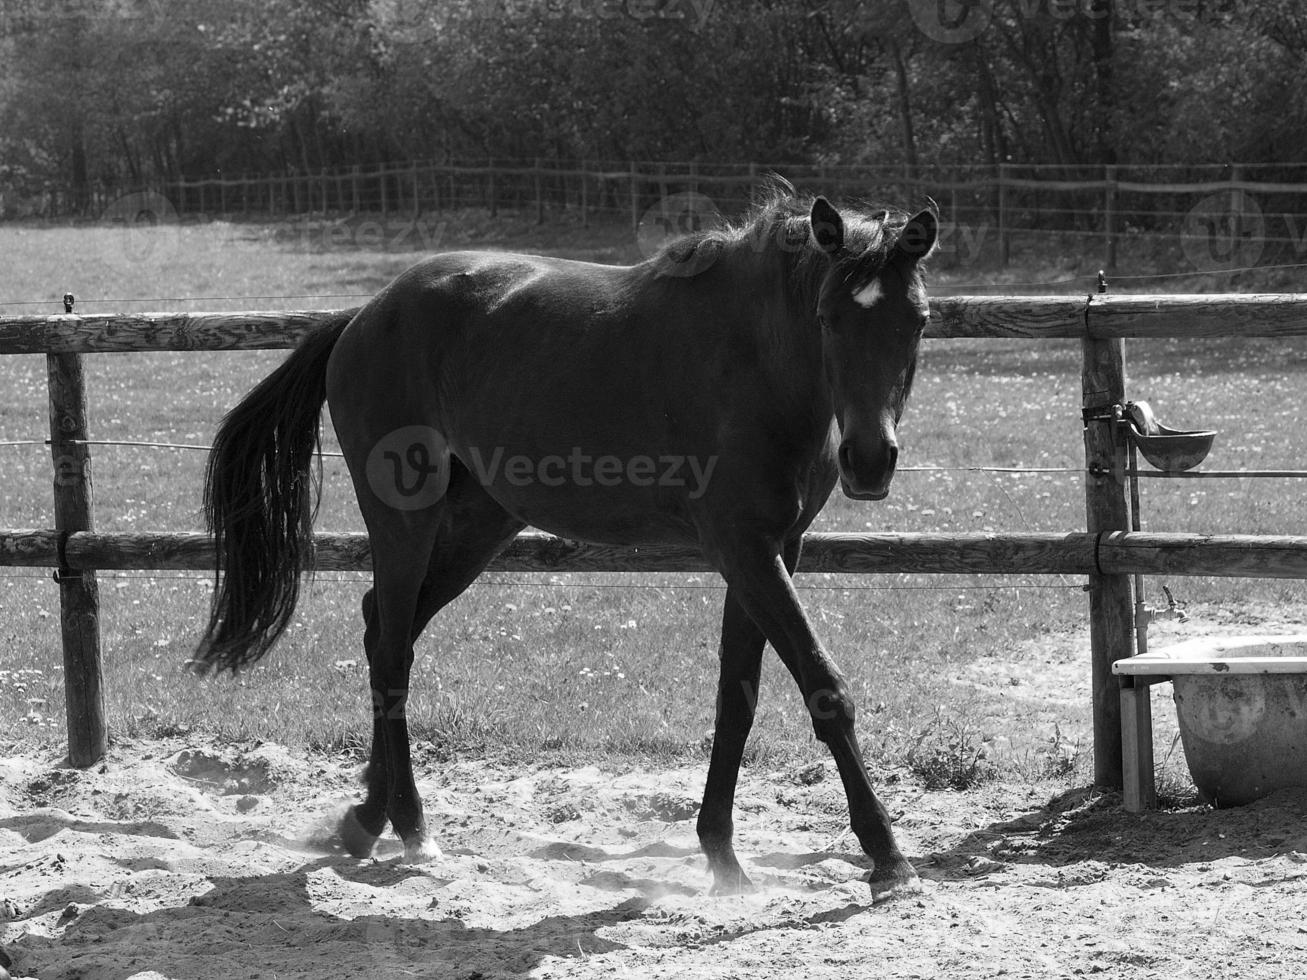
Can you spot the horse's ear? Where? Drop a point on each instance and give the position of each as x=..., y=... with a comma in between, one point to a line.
x=918, y=238
x=827, y=226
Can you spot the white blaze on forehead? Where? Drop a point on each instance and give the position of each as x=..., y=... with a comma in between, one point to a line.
x=868, y=294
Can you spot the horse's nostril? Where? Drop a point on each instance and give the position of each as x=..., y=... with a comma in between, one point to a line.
x=846, y=459
x=891, y=457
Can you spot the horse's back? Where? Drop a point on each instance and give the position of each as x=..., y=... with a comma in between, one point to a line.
x=489, y=286
x=456, y=310
x=556, y=321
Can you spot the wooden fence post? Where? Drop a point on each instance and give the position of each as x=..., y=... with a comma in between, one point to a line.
x=1004, y=244
x=1111, y=633
x=1109, y=217
x=1237, y=206
x=540, y=200
x=635, y=200
x=79, y=595
x=585, y=197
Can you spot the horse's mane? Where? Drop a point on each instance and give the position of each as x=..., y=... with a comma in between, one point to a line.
x=779, y=220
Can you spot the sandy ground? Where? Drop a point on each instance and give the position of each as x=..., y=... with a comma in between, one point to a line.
x=186, y=862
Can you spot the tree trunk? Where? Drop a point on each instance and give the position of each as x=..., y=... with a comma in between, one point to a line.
x=1102, y=13
x=129, y=156
x=991, y=128
x=905, y=109
x=81, y=184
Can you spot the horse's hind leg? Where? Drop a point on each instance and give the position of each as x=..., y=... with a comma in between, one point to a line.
x=737, y=697
x=363, y=823
x=470, y=530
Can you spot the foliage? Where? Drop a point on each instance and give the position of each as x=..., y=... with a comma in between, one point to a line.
x=116, y=93
x=949, y=754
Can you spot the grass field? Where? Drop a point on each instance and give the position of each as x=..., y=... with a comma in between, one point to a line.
x=576, y=666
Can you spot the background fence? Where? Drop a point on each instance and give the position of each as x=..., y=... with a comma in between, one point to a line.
x=1227, y=211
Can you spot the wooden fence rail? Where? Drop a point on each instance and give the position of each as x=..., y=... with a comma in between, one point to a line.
x=1090, y=317
x=1107, y=551
x=977, y=553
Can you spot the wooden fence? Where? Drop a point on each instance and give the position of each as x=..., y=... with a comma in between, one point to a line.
x=1107, y=552
x=1225, y=211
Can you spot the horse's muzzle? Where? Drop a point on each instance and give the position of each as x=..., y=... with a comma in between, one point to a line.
x=866, y=475
x=862, y=494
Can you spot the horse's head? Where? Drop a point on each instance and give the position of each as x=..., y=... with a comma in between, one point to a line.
x=872, y=310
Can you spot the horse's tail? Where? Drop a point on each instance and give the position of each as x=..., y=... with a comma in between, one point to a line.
x=260, y=500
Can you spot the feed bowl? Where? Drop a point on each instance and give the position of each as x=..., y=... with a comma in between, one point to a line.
x=1170, y=450
x=1173, y=451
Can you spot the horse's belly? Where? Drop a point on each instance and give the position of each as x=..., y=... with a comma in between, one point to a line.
x=596, y=498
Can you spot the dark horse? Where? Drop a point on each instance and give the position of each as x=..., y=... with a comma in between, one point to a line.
x=710, y=396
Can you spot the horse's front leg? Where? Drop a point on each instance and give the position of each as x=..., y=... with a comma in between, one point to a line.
x=737, y=692
x=742, y=645
x=757, y=576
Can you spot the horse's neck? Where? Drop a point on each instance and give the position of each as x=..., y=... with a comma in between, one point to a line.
x=791, y=283
x=781, y=294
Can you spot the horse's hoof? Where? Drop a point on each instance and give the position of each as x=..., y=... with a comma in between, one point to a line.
x=354, y=837
x=421, y=850
x=740, y=886
x=899, y=881
x=732, y=882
